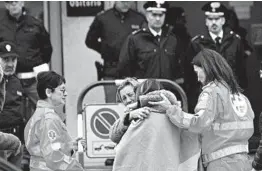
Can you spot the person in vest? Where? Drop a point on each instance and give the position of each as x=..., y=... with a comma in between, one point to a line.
x=223, y=115
x=46, y=137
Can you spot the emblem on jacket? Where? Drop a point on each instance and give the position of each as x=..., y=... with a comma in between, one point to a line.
x=239, y=104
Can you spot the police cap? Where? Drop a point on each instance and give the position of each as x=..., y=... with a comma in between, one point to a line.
x=214, y=8
x=156, y=6
x=8, y=49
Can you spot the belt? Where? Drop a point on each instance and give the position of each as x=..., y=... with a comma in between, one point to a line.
x=224, y=152
x=26, y=75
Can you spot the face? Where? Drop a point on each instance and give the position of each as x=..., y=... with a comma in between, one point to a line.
x=127, y=95
x=215, y=23
x=58, y=96
x=8, y=64
x=155, y=19
x=123, y=6
x=201, y=76
x=14, y=7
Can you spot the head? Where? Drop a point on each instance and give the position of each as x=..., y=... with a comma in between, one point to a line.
x=148, y=86
x=126, y=91
x=8, y=57
x=51, y=87
x=210, y=66
x=155, y=14
x=123, y=6
x=215, y=12
x=15, y=8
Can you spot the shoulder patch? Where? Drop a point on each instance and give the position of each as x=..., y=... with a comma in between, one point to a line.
x=52, y=135
x=239, y=104
x=233, y=33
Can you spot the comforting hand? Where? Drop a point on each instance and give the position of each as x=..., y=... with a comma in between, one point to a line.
x=140, y=113
x=163, y=104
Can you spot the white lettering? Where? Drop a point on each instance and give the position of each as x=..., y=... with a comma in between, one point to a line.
x=85, y=3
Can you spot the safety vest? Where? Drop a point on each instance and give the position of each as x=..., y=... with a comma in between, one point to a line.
x=232, y=126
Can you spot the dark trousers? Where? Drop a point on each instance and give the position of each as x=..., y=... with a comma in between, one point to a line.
x=110, y=91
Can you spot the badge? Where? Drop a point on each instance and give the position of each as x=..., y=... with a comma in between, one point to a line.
x=51, y=135
x=8, y=47
x=239, y=104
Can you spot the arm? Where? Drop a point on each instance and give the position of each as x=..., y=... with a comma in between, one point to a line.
x=204, y=117
x=51, y=142
x=119, y=128
x=94, y=33
x=126, y=59
x=257, y=162
x=45, y=44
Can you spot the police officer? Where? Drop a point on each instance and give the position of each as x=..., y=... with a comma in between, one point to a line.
x=32, y=41
x=107, y=34
x=11, y=118
x=150, y=51
x=222, y=40
x=46, y=137
x=11, y=121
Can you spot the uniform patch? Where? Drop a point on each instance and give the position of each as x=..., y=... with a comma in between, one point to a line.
x=239, y=104
x=19, y=93
x=51, y=135
x=135, y=27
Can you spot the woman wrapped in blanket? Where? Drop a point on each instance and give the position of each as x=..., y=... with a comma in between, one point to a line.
x=153, y=143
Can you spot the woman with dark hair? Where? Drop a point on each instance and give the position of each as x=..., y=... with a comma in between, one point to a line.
x=223, y=115
x=152, y=143
x=46, y=138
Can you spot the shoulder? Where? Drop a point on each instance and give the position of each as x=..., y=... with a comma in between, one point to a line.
x=197, y=38
x=137, y=14
x=104, y=14
x=51, y=115
x=32, y=20
x=235, y=35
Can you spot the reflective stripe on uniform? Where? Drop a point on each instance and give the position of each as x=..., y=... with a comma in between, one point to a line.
x=224, y=152
x=233, y=125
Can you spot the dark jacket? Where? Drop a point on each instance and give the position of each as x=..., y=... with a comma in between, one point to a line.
x=32, y=40
x=143, y=56
x=108, y=32
x=257, y=162
x=12, y=114
x=231, y=49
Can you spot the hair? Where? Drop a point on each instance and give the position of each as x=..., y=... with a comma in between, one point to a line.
x=216, y=68
x=127, y=82
x=148, y=86
x=48, y=80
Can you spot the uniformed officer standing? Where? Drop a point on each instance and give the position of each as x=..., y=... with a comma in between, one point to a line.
x=11, y=118
x=107, y=34
x=150, y=51
x=33, y=45
x=222, y=40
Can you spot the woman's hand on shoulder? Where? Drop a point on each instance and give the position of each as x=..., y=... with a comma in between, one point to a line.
x=140, y=113
x=164, y=104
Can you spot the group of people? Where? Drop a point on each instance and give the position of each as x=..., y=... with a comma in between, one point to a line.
x=149, y=135
x=154, y=133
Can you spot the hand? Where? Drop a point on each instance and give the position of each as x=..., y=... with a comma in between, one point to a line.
x=140, y=113
x=163, y=105
x=82, y=141
x=18, y=150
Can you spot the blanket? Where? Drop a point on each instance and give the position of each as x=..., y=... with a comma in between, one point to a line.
x=152, y=144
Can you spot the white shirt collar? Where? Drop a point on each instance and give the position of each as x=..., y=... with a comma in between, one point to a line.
x=155, y=33
x=213, y=36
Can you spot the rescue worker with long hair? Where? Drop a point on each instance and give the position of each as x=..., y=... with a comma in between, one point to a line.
x=46, y=137
x=223, y=115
